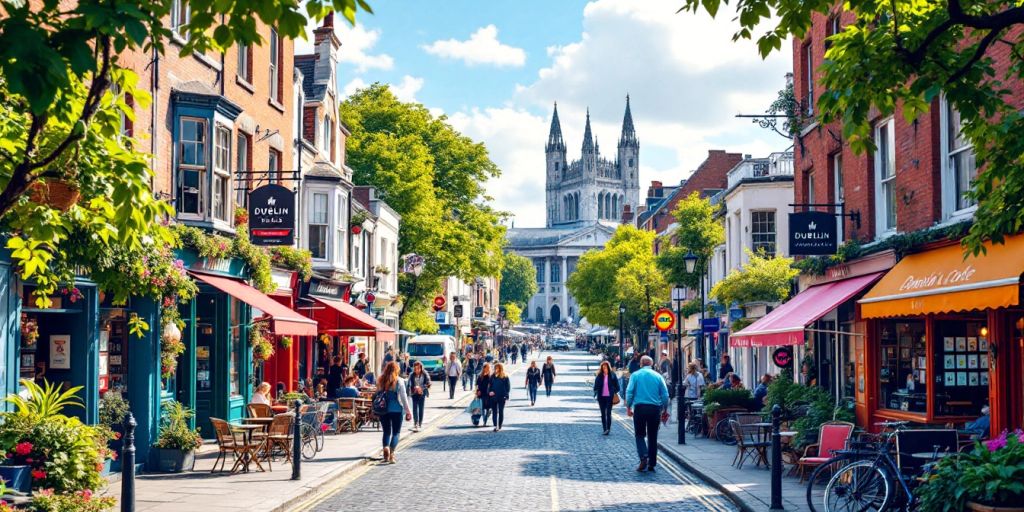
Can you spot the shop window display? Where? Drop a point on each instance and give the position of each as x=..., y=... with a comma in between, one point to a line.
x=903, y=371
x=962, y=366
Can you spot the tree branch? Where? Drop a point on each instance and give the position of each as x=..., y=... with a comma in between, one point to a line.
x=979, y=52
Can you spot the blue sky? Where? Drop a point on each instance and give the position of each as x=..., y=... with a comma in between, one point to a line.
x=495, y=68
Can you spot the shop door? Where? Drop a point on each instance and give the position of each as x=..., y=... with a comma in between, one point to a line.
x=827, y=353
x=205, y=357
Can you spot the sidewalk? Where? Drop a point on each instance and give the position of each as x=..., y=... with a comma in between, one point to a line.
x=749, y=487
x=274, y=490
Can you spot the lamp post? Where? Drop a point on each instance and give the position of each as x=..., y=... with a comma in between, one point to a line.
x=690, y=261
x=622, y=339
x=677, y=295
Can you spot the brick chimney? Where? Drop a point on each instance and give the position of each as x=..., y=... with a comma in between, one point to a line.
x=326, y=45
x=655, y=189
x=627, y=214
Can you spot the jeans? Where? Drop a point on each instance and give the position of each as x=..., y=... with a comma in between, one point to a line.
x=498, y=409
x=646, y=419
x=547, y=386
x=451, y=386
x=417, y=409
x=532, y=389
x=467, y=378
x=391, y=424
x=605, y=404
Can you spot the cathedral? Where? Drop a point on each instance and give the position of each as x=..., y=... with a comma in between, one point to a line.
x=585, y=200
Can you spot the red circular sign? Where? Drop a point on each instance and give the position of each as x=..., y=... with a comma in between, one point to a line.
x=370, y=298
x=664, y=319
x=783, y=357
x=439, y=301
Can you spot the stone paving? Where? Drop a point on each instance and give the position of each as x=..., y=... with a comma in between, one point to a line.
x=548, y=457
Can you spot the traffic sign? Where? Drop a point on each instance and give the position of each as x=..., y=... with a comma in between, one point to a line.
x=439, y=301
x=711, y=325
x=458, y=311
x=664, y=319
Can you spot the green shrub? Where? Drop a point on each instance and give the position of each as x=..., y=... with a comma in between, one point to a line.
x=991, y=474
x=720, y=398
x=822, y=408
x=113, y=408
x=175, y=433
x=81, y=501
x=63, y=452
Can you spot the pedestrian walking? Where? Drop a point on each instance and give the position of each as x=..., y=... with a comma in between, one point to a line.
x=606, y=389
x=453, y=371
x=513, y=353
x=532, y=381
x=693, y=382
x=549, y=373
x=523, y=350
x=483, y=389
x=419, y=390
x=647, y=403
x=469, y=370
x=500, y=389
x=394, y=388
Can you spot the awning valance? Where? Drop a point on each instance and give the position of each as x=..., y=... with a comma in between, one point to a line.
x=943, y=281
x=785, y=324
x=354, y=322
x=283, y=321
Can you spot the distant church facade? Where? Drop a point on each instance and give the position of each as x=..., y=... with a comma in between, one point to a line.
x=584, y=201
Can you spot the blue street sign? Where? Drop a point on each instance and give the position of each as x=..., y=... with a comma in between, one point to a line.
x=710, y=325
x=735, y=314
x=664, y=336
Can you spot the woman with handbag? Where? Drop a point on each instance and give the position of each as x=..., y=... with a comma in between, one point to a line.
x=419, y=389
x=606, y=390
x=532, y=381
x=483, y=389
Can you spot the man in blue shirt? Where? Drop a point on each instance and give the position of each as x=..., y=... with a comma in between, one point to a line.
x=647, y=403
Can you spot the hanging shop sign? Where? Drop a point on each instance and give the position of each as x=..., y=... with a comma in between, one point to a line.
x=272, y=215
x=709, y=325
x=664, y=319
x=812, y=233
x=319, y=287
x=783, y=357
x=457, y=311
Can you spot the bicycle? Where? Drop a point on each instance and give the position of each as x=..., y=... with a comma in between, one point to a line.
x=311, y=429
x=866, y=477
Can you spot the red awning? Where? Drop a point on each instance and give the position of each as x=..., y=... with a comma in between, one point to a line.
x=283, y=321
x=356, y=323
x=785, y=325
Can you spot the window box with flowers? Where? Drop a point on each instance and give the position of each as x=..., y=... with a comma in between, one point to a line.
x=260, y=341
x=356, y=223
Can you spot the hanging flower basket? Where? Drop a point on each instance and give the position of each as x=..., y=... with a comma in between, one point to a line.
x=356, y=229
x=56, y=193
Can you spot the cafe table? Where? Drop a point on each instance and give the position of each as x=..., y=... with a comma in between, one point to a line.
x=249, y=455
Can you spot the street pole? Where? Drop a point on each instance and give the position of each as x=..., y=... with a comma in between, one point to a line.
x=680, y=390
x=704, y=355
x=622, y=338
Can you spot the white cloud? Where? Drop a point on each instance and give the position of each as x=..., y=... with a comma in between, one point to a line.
x=350, y=88
x=357, y=44
x=405, y=90
x=482, y=47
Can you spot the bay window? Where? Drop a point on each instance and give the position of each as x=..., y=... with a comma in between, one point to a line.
x=885, y=177
x=191, y=165
x=222, y=174
x=318, y=226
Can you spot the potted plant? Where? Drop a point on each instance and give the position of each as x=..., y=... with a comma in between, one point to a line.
x=259, y=340
x=113, y=409
x=59, y=194
x=719, y=403
x=356, y=224
x=177, y=442
x=989, y=478
x=285, y=342
x=381, y=270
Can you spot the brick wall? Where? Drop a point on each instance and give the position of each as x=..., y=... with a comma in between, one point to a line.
x=709, y=176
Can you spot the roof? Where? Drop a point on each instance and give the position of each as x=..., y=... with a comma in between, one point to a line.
x=323, y=170
x=526, y=238
x=310, y=88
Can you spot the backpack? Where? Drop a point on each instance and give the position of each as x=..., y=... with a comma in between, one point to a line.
x=380, y=402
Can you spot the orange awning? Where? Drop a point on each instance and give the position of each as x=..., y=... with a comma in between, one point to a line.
x=284, y=321
x=943, y=281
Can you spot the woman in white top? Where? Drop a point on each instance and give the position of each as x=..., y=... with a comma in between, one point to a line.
x=262, y=394
x=694, y=382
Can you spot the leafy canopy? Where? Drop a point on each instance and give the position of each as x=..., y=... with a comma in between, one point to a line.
x=518, y=280
x=697, y=232
x=513, y=313
x=897, y=57
x=434, y=177
x=762, y=279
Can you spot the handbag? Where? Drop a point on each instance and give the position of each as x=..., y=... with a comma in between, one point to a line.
x=616, y=399
x=475, y=407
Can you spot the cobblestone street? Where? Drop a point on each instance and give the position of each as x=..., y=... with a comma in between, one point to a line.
x=548, y=457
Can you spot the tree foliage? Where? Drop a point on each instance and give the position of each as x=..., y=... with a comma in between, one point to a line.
x=897, y=57
x=699, y=233
x=513, y=313
x=434, y=178
x=762, y=279
x=518, y=280
x=623, y=272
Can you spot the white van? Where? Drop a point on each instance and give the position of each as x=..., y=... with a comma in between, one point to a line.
x=429, y=349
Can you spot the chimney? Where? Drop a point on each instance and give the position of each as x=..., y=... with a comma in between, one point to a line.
x=324, y=30
x=326, y=49
x=627, y=214
x=655, y=189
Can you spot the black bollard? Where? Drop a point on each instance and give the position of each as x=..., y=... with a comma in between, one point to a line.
x=776, y=459
x=297, y=444
x=681, y=413
x=128, y=465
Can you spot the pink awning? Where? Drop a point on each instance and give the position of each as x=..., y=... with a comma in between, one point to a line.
x=355, y=322
x=283, y=321
x=785, y=325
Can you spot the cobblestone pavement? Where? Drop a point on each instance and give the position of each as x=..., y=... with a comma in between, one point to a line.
x=551, y=456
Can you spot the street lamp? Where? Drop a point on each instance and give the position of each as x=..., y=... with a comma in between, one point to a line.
x=690, y=262
x=622, y=339
x=677, y=296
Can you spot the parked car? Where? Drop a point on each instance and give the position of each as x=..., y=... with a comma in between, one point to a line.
x=429, y=350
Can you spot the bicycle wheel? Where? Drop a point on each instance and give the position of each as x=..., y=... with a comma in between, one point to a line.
x=723, y=432
x=861, y=485
x=308, y=441
x=819, y=479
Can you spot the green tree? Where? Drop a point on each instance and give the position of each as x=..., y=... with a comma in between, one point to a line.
x=896, y=58
x=59, y=119
x=623, y=272
x=761, y=279
x=698, y=233
x=433, y=177
x=518, y=280
x=513, y=313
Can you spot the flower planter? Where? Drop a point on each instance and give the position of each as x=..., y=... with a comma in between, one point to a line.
x=978, y=507
x=18, y=478
x=174, y=461
x=60, y=195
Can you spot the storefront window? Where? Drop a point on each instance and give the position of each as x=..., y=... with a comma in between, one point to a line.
x=961, y=357
x=234, y=357
x=903, y=371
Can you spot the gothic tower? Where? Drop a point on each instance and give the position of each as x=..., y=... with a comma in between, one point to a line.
x=629, y=159
x=556, y=167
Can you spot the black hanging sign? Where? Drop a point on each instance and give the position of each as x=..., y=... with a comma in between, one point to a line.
x=812, y=233
x=272, y=215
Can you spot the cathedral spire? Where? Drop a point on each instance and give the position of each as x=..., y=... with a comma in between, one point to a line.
x=628, y=131
x=555, y=141
x=588, y=138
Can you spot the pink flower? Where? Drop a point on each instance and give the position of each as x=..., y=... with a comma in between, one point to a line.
x=86, y=494
x=997, y=443
x=23, y=448
x=38, y=474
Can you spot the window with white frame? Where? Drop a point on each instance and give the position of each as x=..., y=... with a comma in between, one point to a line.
x=244, y=62
x=222, y=174
x=959, y=164
x=326, y=144
x=318, y=211
x=840, y=193
x=191, y=165
x=243, y=148
x=273, y=166
x=341, y=226
x=762, y=232
x=181, y=15
x=275, y=65
x=810, y=189
x=885, y=176
x=357, y=254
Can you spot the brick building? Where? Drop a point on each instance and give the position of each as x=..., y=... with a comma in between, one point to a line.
x=708, y=179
